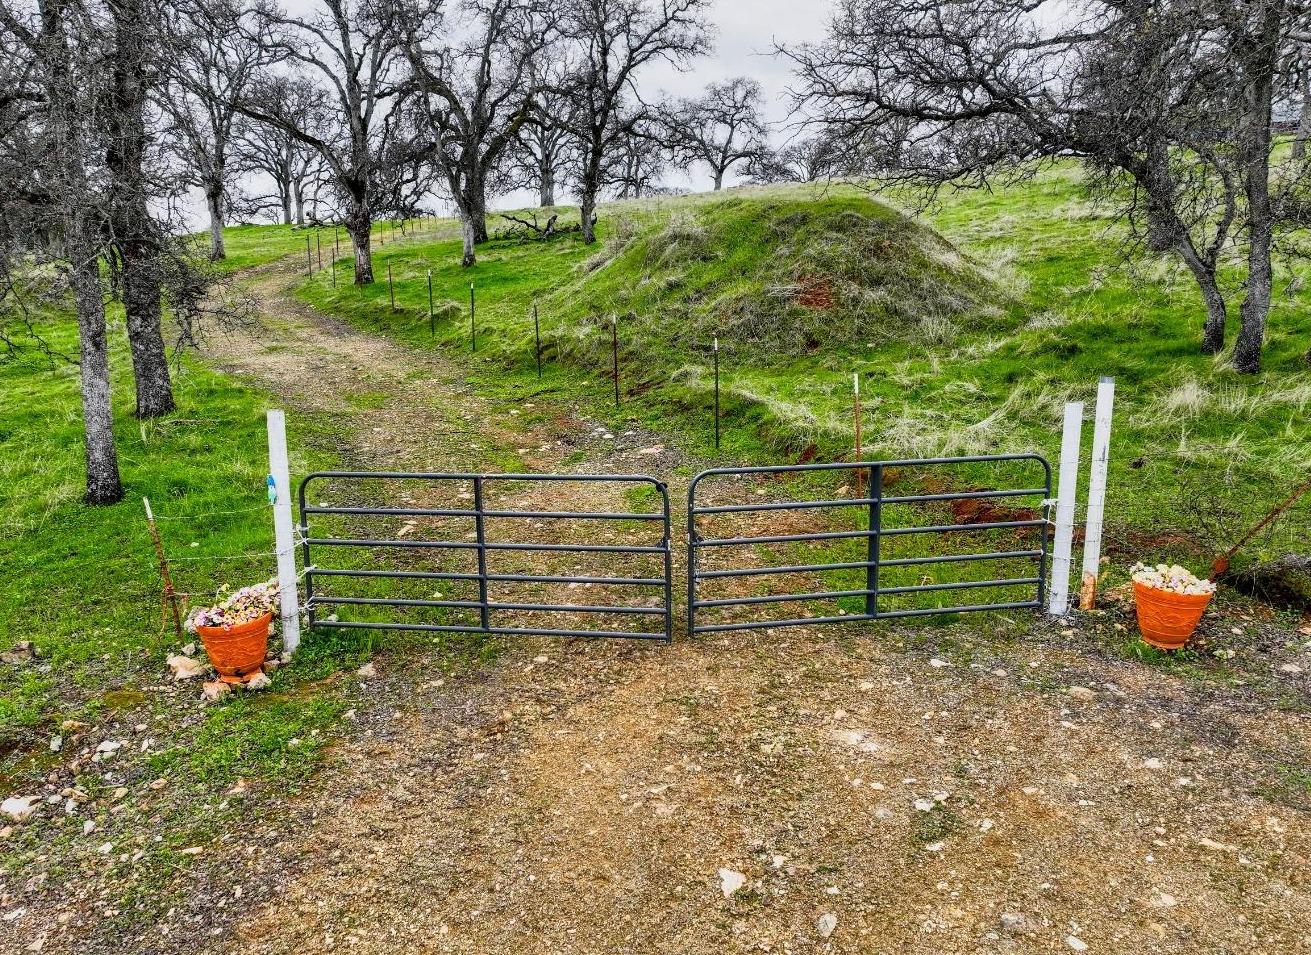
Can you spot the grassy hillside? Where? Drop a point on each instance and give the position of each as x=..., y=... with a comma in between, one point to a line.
x=968, y=342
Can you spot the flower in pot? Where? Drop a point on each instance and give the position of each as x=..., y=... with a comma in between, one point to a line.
x=235, y=631
x=1170, y=602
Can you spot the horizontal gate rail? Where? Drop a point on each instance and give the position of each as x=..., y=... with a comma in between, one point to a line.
x=873, y=505
x=482, y=546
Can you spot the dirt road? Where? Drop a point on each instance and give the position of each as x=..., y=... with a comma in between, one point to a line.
x=870, y=789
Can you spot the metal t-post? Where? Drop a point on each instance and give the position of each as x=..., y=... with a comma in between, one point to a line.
x=473, y=328
x=716, y=392
x=537, y=332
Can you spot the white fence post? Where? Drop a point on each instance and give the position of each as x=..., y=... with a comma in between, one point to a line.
x=1101, y=455
x=1067, y=489
x=284, y=537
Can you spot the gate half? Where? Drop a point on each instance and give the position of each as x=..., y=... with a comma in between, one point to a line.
x=467, y=543
x=913, y=533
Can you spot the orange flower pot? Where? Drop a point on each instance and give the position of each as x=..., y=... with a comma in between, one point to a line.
x=1168, y=619
x=237, y=652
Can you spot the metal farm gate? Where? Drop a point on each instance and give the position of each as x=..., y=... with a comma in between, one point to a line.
x=894, y=551
x=465, y=553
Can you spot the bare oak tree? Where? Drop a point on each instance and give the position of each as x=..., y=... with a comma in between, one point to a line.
x=722, y=127
x=211, y=64
x=52, y=76
x=292, y=166
x=611, y=41
x=1169, y=102
x=474, y=87
x=352, y=50
x=544, y=150
x=638, y=159
x=809, y=159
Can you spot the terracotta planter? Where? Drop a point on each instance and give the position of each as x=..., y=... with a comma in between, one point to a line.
x=237, y=652
x=1168, y=619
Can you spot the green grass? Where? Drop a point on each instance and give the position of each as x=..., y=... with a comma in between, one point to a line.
x=964, y=350
x=249, y=246
x=82, y=583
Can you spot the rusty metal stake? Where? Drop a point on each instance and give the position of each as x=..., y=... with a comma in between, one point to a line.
x=1221, y=565
x=170, y=595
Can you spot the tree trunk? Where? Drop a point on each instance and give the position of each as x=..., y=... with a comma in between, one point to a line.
x=474, y=204
x=719, y=179
x=143, y=310
x=134, y=229
x=217, y=248
x=587, y=211
x=1258, y=95
x=299, y=191
x=1304, y=122
x=545, y=183
x=467, y=233
x=1213, y=331
x=359, y=224
x=103, y=484
x=284, y=194
x=1260, y=278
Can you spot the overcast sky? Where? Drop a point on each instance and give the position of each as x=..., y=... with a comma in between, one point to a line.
x=746, y=32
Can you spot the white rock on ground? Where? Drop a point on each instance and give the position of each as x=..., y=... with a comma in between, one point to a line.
x=214, y=690
x=730, y=881
x=260, y=681
x=185, y=668
x=368, y=671
x=20, y=808
x=826, y=924
x=1015, y=924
